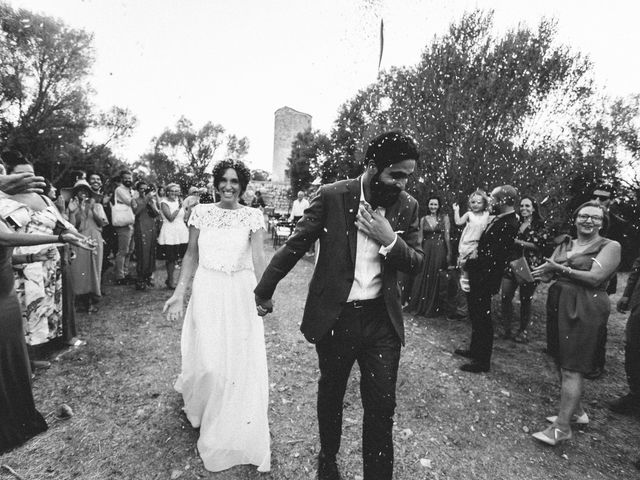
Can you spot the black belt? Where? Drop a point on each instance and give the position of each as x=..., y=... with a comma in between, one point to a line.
x=365, y=303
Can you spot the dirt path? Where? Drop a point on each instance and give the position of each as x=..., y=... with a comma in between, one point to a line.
x=128, y=424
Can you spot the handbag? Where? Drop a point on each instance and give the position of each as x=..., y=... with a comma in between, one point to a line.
x=521, y=270
x=121, y=214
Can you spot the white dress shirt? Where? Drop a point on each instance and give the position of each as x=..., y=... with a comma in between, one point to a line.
x=367, y=278
x=298, y=207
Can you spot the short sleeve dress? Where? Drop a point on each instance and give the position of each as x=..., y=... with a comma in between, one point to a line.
x=224, y=380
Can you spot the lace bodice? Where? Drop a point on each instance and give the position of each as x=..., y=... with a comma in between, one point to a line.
x=224, y=240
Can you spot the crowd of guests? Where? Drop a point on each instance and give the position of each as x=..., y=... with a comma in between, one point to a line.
x=506, y=246
x=54, y=250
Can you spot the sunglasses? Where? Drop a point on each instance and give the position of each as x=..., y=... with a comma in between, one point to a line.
x=601, y=197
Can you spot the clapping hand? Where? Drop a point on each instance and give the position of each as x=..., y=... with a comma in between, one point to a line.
x=264, y=306
x=546, y=271
x=21, y=183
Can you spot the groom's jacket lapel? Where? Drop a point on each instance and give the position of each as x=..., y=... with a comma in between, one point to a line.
x=351, y=200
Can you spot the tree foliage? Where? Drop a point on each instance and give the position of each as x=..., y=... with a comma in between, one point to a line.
x=310, y=148
x=44, y=107
x=487, y=110
x=193, y=150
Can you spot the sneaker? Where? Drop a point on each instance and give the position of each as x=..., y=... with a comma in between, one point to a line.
x=552, y=435
x=626, y=405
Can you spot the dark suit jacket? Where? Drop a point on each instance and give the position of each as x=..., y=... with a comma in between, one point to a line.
x=494, y=247
x=330, y=218
x=632, y=291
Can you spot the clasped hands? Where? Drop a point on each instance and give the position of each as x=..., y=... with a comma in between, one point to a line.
x=374, y=225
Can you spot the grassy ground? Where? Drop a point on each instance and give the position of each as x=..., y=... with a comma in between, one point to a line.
x=128, y=424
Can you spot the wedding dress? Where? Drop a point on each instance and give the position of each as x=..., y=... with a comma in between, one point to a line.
x=224, y=380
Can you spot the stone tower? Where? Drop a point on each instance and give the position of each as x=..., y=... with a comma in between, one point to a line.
x=288, y=123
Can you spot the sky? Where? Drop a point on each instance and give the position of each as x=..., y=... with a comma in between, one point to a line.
x=234, y=62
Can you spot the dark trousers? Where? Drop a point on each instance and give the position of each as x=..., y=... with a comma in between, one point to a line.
x=481, y=326
x=364, y=335
x=508, y=289
x=632, y=351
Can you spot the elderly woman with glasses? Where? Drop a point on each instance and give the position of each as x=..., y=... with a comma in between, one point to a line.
x=577, y=307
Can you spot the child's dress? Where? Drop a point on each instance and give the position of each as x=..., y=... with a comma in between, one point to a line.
x=476, y=224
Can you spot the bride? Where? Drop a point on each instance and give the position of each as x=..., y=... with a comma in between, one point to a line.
x=224, y=380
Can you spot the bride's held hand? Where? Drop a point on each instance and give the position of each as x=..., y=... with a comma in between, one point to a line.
x=173, y=308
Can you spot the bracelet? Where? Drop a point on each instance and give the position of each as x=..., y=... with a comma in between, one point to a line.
x=566, y=271
x=30, y=258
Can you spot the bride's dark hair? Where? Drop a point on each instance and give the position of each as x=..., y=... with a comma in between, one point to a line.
x=244, y=174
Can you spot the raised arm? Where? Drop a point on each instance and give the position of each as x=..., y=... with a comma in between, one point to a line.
x=171, y=216
x=447, y=238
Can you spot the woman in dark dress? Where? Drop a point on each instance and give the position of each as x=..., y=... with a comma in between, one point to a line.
x=435, y=229
x=530, y=242
x=577, y=307
x=19, y=419
x=146, y=210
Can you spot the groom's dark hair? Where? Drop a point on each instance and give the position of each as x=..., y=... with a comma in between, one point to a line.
x=390, y=148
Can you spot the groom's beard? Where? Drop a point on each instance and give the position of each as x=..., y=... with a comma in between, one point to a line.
x=383, y=195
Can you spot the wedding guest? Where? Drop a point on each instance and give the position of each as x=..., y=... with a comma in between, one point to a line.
x=95, y=182
x=174, y=235
x=109, y=234
x=368, y=229
x=224, y=380
x=123, y=195
x=88, y=216
x=146, y=210
x=192, y=199
x=51, y=192
x=436, y=245
x=577, y=303
x=485, y=275
x=298, y=207
x=19, y=419
x=530, y=242
x=38, y=284
x=630, y=300
x=258, y=201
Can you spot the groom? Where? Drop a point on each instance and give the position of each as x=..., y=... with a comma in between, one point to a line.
x=368, y=232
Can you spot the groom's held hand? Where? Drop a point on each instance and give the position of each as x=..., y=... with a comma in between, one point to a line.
x=264, y=306
x=374, y=225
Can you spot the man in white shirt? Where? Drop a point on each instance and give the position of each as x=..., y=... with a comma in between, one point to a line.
x=368, y=232
x=298, y=207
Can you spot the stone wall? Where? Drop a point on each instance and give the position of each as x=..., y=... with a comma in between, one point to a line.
x=287, y=124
